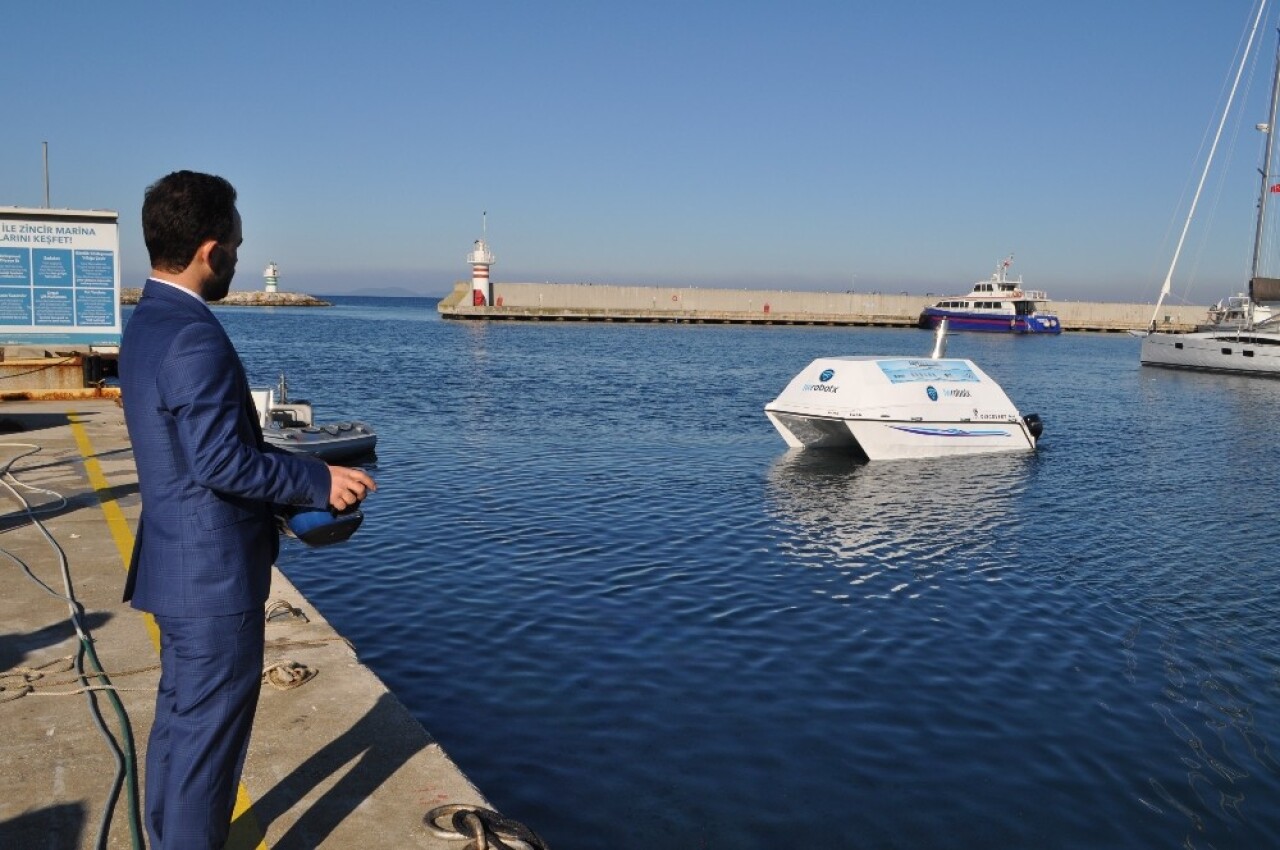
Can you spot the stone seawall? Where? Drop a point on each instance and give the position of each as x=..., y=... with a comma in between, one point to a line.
x=241, y=298
x=591, y=302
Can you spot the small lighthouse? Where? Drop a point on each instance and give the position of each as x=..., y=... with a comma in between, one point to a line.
x=480, y=259
x=272, y=278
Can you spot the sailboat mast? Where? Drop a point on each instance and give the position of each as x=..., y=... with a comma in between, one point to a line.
x=1244, y=58
x=1266, y=172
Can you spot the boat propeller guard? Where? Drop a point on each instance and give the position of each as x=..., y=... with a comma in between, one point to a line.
x=323, y=526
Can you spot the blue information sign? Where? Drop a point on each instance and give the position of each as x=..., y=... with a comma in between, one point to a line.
x=59, y=277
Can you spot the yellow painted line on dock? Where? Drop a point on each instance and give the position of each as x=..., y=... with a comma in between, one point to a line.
x=247, y=834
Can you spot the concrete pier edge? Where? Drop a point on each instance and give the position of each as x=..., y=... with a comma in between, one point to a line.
x=335, y=762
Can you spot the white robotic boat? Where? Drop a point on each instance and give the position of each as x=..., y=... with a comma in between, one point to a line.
x=890, y=408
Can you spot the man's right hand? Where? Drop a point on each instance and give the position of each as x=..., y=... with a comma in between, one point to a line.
x=348, y=487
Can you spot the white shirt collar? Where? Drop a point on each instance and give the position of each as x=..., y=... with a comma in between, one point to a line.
x=178, y=287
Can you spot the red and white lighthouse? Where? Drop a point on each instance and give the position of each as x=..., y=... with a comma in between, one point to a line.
x=480, y=259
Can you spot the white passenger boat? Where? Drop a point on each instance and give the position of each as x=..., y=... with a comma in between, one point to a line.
x=290, y=425
x=1242, y=332
x=889, y=408
x=998, y=304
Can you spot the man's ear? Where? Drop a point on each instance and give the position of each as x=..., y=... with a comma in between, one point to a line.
x=204, y=254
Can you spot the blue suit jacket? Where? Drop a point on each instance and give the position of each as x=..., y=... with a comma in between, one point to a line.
x=207, y=537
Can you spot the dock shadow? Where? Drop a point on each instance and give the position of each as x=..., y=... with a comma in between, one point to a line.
x=21, y=423
x=379, y=743
x=17, y=647
x=60, y=825
x=18, y=517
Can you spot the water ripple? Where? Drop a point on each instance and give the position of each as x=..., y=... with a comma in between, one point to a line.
x=599, y=578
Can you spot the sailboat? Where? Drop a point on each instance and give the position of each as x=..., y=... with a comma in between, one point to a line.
x=1242, y=332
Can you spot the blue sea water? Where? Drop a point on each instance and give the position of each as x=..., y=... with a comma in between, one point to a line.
x=635, y=619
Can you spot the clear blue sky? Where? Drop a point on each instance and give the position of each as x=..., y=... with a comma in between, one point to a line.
x=878, y=146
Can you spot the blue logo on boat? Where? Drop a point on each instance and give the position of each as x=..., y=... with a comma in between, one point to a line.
x=933, y=394
x=827, y=374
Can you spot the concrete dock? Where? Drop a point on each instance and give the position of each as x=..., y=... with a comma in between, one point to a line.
x=584, y=302
x=335, y=759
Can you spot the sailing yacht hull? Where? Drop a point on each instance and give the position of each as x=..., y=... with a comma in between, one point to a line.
x=1242, y=352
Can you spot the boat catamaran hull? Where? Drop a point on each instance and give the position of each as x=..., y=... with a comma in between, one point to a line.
x=892, y=408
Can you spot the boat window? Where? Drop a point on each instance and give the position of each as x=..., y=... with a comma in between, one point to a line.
x=1177, y=345
x=1247, y=353
x=1226, y=351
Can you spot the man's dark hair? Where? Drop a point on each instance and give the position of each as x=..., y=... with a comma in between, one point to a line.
x=183, y=210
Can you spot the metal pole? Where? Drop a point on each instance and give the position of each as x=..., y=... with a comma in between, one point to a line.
x=1213, y=148
x=46, y=174
x=1266, y=172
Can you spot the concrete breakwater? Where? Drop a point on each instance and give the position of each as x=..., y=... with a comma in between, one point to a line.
x=609, y=303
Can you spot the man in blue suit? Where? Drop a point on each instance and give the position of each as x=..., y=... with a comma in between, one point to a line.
x=210, y=488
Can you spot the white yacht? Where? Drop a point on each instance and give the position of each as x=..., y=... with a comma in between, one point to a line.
x=1242, y=332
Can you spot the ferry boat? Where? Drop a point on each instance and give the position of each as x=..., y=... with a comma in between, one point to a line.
x=998, y=305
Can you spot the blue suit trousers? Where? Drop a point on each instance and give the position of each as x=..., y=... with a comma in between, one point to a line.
x=211, y=675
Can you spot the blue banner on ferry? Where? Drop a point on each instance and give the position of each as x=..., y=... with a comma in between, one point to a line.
x=912, y=371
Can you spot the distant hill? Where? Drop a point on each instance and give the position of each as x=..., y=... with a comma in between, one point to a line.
x=387, y=292
x=377, y=292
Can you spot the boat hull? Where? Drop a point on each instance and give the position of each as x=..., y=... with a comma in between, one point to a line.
x=1243, y=353
x=985, y=322
x=890, y=408
x=338, y=441
x=901, y=440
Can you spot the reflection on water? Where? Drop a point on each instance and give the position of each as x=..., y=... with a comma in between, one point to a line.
x=1218, y=771
x=897, y=527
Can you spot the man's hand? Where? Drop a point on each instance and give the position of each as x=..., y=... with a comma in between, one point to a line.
x=348, y=487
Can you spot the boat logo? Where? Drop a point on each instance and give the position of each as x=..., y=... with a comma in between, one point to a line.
x=827, y=374
x=932, y=393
